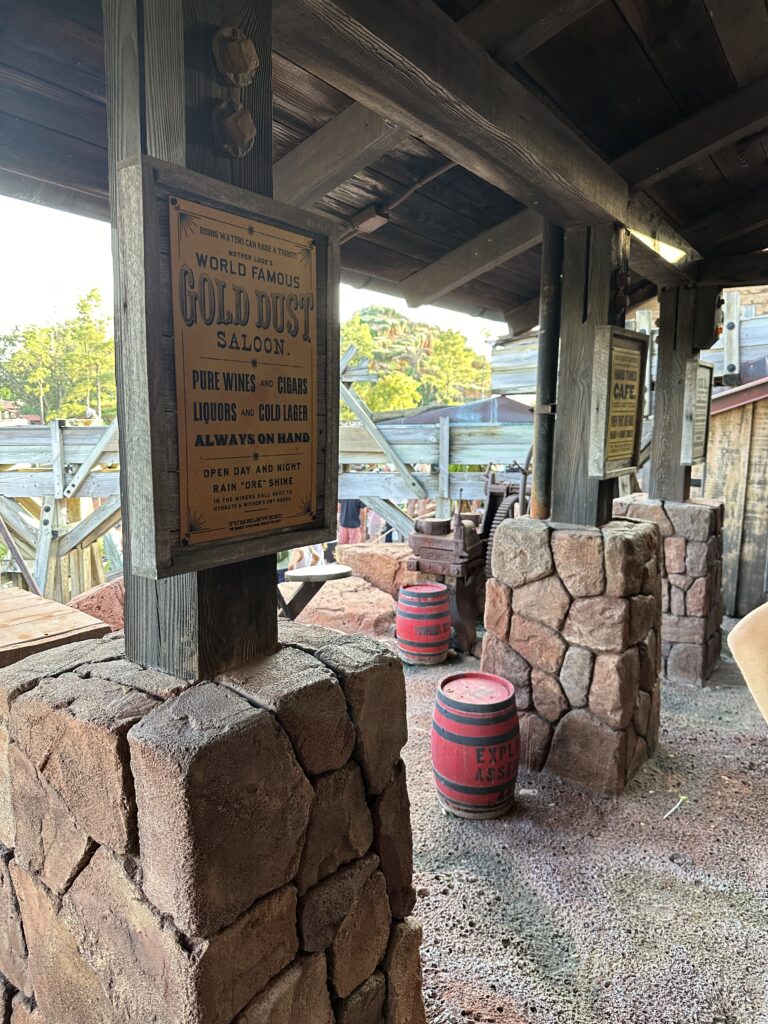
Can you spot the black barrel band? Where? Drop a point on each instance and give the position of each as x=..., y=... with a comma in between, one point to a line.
x=476, y=741
x=476, y=719
x=458, y=705
x=472, y=790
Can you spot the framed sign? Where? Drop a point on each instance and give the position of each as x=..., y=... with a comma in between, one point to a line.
x=229, y=371
x=617, y=401
x=699, y=377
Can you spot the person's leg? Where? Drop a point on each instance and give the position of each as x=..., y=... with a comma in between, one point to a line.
x=345, y=535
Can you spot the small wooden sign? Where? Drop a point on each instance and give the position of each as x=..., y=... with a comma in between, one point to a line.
x=617, y=401
x=231, y=369
x=699, y=377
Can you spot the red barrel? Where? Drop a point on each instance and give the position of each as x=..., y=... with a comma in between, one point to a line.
x=423, y=623
x=475, y=745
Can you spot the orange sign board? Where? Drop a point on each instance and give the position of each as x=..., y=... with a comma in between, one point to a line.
x=245, y=342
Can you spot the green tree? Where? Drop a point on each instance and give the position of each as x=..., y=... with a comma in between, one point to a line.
x=452, y=372
x=391, y=391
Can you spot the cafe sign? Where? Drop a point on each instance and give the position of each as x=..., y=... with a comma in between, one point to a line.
x=617, y=401
x=237, y=382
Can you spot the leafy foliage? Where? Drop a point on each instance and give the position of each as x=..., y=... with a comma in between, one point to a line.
x=63, y=371
x=418, y=364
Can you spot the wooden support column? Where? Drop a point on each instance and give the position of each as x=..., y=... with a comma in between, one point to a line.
x=595, y=270
x=686, y=324
x=161, y=90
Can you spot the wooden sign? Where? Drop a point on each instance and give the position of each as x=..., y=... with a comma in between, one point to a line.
x=231, y=369
x=617, y=401
x=698, y=399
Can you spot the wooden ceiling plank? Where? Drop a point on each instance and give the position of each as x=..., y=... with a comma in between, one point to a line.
x=735, y=271
x=742, y=27
x=485, y=251
x=42, y=193
x=729, y=222
x=511, y=30
x=727, y=121
x=411, y=63
x=51, y=156
x=342, y=147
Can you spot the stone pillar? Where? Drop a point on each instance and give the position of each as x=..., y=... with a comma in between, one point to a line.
x=691, y=582
x=572, y=618
x=229, y=852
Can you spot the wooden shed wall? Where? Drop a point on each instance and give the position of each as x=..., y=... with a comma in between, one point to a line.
x=737, y=472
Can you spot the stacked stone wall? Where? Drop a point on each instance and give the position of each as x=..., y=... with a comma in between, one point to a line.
x=233, y=852
x=572, y=617
x=691, y=582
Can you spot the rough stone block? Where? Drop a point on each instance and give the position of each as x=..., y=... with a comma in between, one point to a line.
x=128, y=673
x=201, y=764
x=680, y=580
x=404, y=1002
x=665, y=596
x=600, y=623
x=692, y=521
x=651, y=510
x=698, y=600
x=324, y=907
x=366, y=1003
x=498, y=607
x=687, y=663
x=625, y=560
x=7, y=817
x=299, y=993
x=641, y=712
x=393, y=842
x=305, y=635
x=681, y=629
x=535, y=738
x=674, y=554
x=25, y=674
x=615, y=682
x=167, y=981
x=638, y=756
x=676, y=601
x=589, y=752
x=521, y=552
x=308, y=702
x=650, y=661
x=502, y=660
x=578, y=558
x=361, y=939
x=340, y=826
x=643, y=616
x=652, y=736
x=22, y=1011
x=48, y=839
x=67, y=990
x=652, y=579
x=374, y=687
x=696, y=560
x=546, y=601
x=541, y=646
x=13, y=948
x=548, y=697
x=576, y=675
x=74, y=732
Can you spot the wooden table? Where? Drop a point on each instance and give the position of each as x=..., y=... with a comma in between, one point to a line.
x=311, y=579
x=29, y=624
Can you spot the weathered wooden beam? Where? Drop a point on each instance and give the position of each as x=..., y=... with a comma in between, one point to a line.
x=726, y=121
x=88, y=530
x=345, y=145
x=18, y=557
x=730, y=271
x=35, y=483
x=359, y=409
x=523, y=318
x=595, y=261
x=728, y=223
x=43, y=193
x=644, y=261
x=480, y=254
x=510, y=31
x=95, y=457
x=470, y=486
x=390, y=513
x=408, y=61
x=23, y=525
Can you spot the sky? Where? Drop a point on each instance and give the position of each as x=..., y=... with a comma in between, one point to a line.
x=48, y=259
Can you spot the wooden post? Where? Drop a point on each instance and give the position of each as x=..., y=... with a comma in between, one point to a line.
x=161, y=90
x=443, y=501
x=732, y=338
x=594, y=280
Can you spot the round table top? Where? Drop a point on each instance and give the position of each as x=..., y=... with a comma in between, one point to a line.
x=318, y=573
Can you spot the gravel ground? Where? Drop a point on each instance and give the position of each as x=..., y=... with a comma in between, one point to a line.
x=577, y=908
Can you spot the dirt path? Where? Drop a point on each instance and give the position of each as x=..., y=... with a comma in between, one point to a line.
x=586, y=909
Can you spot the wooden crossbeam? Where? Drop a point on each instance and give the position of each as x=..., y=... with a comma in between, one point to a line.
x=523, y=318
x=359, y=409
x=739, y=218
x=81, y=475
x=390, y=513
x=18, y=557
x=88, y=530
x=408, y=61
x=645, y=262
x=18, y=521
x=511, y=30
x=477, y=256
x=345, y=145
x=726, y=121
x=729, y=271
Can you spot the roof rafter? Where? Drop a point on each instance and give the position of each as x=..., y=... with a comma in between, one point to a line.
x=510, y=31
